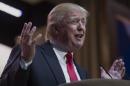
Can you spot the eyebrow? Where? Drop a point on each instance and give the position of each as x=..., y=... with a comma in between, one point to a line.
x=75, y=17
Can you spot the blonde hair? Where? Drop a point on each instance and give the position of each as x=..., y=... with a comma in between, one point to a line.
x=57, y=15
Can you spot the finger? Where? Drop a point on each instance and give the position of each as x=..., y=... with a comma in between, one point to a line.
x=33, y=30
x=114, y=65
x=28, y=27
x=23, y=30
x=119, y=65
x=36, y=38
x=120, y=61
x=123, y=72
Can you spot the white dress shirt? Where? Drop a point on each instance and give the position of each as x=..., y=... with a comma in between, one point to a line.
x=62, y=60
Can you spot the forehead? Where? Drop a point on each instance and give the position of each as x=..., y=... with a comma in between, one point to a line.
x=75, y=14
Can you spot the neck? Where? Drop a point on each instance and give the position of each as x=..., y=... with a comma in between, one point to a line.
x=59, y=46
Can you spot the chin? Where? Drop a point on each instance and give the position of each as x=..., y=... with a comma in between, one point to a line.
x=78, y=45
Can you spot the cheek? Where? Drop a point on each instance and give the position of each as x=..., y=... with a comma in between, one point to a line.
x=65, y=35
x=72, y=29
x=69, y=32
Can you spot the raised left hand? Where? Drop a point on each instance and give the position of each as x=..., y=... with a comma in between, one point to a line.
x=116, y=71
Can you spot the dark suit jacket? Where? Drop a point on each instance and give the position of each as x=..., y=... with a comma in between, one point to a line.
x=45, y=69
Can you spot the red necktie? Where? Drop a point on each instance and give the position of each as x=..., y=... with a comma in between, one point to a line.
x=70, y=67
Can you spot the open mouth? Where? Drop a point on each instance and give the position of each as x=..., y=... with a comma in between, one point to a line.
x=79, y=36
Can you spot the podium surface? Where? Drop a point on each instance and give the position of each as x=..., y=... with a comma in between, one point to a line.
x=99, y=82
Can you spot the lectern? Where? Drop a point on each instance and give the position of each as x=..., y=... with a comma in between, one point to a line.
x=99, y=82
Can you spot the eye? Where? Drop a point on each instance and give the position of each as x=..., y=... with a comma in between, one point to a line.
x=83, y=21
x=74, y=21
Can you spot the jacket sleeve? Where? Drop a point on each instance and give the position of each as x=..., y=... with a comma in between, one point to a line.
x=13, y=74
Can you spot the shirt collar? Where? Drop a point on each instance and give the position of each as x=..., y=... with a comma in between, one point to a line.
x=59, y=52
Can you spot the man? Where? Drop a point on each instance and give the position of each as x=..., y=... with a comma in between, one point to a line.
x=52, y=63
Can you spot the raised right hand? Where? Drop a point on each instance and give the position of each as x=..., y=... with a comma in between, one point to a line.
x=27, y=42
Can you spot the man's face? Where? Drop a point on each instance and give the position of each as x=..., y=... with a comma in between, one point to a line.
x=74, y=30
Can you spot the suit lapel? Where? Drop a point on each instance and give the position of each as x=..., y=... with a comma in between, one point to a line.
x=82, y=73
x=53, y=62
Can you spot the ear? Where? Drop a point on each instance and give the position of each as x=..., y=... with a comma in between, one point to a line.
x=57, y=28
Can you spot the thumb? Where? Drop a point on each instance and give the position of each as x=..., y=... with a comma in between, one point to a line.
x=104, y=74
x=102, y=70
x=37, y=38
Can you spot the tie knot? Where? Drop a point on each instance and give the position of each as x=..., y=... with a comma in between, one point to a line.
x=69, y=57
